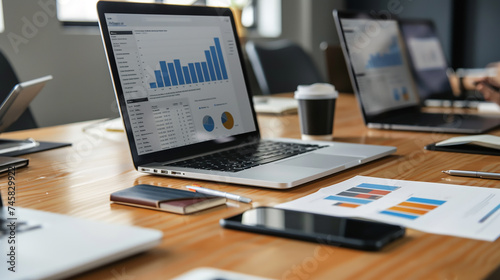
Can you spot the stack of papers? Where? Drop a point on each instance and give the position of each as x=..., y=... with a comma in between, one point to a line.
x=470, y=212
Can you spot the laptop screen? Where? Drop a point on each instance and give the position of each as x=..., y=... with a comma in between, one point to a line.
x=428, y=59
x=181, y=78
x=379, y=65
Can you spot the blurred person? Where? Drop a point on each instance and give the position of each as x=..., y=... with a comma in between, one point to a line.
x=490, y=86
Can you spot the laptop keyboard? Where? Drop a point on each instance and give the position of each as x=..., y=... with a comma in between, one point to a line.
x=248, y=156
x=20, y=226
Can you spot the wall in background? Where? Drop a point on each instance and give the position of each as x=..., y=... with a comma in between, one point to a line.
x=309, y=23
x=37, y=44
x=475, y=23
x=439, y=11
x=481, y=37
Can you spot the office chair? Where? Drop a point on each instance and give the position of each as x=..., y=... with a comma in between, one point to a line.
x=336, y=67
x=8, y=79
x=280, y=66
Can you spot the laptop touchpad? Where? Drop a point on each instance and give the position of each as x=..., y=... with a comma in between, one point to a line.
x=314, y=160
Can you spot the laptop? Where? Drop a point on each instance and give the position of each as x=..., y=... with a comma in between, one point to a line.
x=14, y=105
x=429, y=66
x=185, y=103
x=53, y=246
x=383, y=82
x=19, y=99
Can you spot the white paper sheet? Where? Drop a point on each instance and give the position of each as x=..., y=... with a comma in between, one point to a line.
x=464, y=211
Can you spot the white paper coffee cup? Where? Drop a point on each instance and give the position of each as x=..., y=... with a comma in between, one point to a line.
x=316, y=110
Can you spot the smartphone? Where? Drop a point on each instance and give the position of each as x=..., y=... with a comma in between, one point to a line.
x=330, y=230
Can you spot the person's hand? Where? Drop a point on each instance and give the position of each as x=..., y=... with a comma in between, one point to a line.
x=490, y=86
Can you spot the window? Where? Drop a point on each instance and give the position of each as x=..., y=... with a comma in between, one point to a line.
x=2, y=26
x=268, y=12
x=80, y=12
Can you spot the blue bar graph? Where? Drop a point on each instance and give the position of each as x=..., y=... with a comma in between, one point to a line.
x=159, y=78
x=210, y=66
x=199, y=72
x=193, y=73
x=186, y=74
x=348, y=199
x=178, y=68
x=205, y=71
x=426, y=200
x=221, y=58
x=216, y=63
x=392, y=57
x=175, y=72
x=378, y=187
x=164, y=72
x=171, y=70
x=397, y=214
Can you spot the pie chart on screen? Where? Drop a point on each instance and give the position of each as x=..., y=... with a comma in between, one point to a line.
x=227, y=120
x=208, y=123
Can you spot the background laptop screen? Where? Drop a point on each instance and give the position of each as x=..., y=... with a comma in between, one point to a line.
x=181, y=77
x=380, y=67
x=428, y=59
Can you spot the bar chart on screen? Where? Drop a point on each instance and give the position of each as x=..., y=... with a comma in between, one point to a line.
x=167, y=64
x=174, y=72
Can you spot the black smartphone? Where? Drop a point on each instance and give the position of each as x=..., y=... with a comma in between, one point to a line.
x=330, y=230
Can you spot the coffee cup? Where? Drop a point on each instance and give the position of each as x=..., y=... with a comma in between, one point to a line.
x=316, y=110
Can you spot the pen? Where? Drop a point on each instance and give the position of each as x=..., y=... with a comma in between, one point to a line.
x=475, y=174
x=219, y=193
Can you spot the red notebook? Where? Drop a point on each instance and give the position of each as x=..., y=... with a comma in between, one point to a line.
x=166, y=199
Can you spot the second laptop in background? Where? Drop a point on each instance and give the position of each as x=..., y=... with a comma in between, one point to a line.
x=383, y=82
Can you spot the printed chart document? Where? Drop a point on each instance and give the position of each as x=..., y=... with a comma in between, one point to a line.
x=463, y=211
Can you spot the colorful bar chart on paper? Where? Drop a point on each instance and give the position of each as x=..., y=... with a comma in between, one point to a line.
x=175, y=72
x=362, y=194
x=413, y=208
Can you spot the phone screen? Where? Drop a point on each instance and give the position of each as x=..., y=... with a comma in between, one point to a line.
x=314, y=227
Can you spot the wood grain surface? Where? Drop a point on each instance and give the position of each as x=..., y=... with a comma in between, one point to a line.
x=78, y=180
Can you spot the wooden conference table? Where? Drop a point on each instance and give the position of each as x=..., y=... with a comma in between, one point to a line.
x=77, y=181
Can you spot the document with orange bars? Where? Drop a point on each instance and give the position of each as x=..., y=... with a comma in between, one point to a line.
x=463, y=211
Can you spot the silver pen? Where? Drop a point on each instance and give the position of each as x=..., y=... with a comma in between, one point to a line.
x=475, y=174
x=219, y=193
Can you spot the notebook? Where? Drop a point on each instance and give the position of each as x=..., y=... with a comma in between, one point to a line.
x=383, y=82
x=484, y=144
x=184, y=99
x=166, y=199
x=54, y=246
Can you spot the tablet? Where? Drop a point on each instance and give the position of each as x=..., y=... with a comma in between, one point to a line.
x=19, y=99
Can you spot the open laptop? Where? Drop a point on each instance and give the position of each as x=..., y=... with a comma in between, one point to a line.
x=18, y=100
x=382, y=79
x=184, y=99
x=14, y=105
x=53, y=246
x=429, y=66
